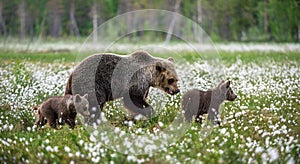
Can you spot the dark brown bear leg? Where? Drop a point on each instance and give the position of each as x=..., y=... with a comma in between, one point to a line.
x=213, y=116
x=96, y=104
x=190, y=104
x=72, y=116
x=41, y=121
x=51, y=121
x=137, y=105
x=61, y=119
x=70, y=122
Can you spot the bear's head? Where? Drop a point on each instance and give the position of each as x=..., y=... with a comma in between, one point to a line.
x=226, y=91
x=81, y=104
x=166, y=78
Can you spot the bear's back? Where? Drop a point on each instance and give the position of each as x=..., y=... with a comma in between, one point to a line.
x=141, y=57
x=197, y=101
x=59, y=103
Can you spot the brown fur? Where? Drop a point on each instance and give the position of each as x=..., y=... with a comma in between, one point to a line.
x=61, y=109
x=195, y=102
x=106, y=77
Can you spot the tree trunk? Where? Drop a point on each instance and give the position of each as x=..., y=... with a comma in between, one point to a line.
x=55, y=17
x=129, y=17
x=73, y=27
x=42, y=25
x=22, y=17
x=199, y=12
x=197, y=31
x=172, y=23
x=299, y=32
x=266, y=23
x=95, y=22
x=2, y=22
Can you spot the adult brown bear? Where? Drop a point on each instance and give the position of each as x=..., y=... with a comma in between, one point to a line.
x=106, y=77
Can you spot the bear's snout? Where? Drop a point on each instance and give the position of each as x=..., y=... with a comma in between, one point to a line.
x=172, y=92
x=232, y=97
x=176, y=91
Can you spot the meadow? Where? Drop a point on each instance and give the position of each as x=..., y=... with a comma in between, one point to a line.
x=261, y=126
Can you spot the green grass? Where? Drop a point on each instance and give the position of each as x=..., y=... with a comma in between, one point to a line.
x=229, y=57
x=38, y=57
x=262, y=124
x=259, y=57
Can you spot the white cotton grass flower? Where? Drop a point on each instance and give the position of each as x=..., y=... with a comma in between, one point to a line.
x=160, y=124
x=67, y=149
x=93, y=138
x=49, y=148
x=138, y=117
x=273, y=154
x=291, y=161
x=117, y=130
x=223, y=130
x=96, y=159
x=81, y=142
x=259, y=150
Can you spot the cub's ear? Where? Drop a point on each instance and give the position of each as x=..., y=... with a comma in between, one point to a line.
x=159, y=67
x=227, y=84
x=221, y=83
x=171, y=59
x=86, y=96
x=77, y=98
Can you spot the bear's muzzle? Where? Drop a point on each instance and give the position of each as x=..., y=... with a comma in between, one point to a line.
x=171, y=92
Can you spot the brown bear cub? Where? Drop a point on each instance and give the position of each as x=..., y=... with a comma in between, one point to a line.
x=195, y=102
x=62, y=109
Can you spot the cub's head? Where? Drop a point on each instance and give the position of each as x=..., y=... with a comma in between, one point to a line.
x=227, y=91
x=166, y=78
x=81, y=104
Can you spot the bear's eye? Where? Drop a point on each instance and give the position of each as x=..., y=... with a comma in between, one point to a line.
x=170, y=81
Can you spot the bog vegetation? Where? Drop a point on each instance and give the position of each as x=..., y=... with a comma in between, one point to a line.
x=261, y=125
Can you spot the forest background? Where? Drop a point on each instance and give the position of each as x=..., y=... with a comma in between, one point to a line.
x=223, y=21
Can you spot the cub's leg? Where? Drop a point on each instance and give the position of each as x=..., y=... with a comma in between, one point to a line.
x=41, y=121
x=51, y=119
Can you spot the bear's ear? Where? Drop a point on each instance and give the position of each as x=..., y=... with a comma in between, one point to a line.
x=171, y=59
x=77, y=98
x=222, y=86
x=159, y=67
x=227, y=84
x=86, y=96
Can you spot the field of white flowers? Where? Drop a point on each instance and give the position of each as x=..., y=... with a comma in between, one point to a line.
x=262, y=125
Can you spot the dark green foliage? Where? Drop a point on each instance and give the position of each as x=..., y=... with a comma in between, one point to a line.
x=231, y=20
